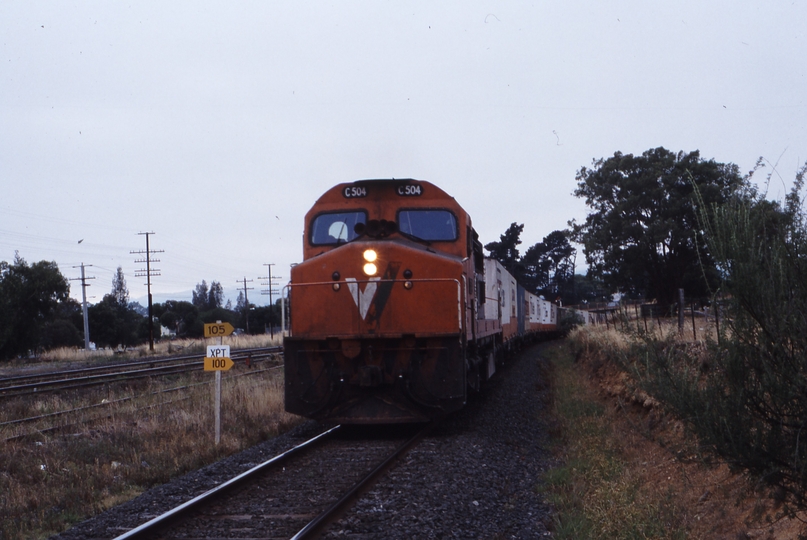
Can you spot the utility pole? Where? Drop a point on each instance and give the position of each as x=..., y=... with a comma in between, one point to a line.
x=269, y=291
x=246, y=300
x=148, y=273
x=84, y=286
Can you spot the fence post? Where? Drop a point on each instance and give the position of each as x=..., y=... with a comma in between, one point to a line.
x=681, y=312
x=717, y=320
x=644, y=318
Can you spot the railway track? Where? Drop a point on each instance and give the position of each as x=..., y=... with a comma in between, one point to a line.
x=293, y=495
x=67, y=413
x=57, y=381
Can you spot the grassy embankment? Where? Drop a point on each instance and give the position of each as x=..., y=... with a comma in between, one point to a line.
x=153, y=431
x=628, y=468
x=596, y=492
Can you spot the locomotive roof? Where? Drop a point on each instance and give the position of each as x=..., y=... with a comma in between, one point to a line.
x=433, y=192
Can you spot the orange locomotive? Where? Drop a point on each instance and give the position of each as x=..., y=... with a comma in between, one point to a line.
x=387, y=310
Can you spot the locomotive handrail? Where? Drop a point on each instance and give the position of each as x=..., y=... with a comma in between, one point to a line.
x=377, y=280
x=283, y=308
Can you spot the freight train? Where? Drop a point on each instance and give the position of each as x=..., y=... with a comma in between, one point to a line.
x=395, y=312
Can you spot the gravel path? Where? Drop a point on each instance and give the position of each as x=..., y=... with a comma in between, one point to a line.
x=474, y=477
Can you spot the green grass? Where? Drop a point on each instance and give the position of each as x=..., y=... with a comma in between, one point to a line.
x=594, y=491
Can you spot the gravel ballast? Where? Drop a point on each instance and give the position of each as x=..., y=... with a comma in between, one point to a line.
x=475, y=476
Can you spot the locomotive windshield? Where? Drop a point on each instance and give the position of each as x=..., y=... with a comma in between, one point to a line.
x=430, y=225
x=338, y=228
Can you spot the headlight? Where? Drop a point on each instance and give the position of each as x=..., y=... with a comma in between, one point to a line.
x=370, y=269
x=370, y=255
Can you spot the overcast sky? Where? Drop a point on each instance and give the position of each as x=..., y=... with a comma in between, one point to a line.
x=216, y=125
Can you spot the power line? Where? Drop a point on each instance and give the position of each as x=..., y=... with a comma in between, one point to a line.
x=84, y=286
x=246, y=300
x=148, y=272
x=270, y=291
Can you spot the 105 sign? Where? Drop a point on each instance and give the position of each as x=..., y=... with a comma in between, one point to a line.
x=218, y=329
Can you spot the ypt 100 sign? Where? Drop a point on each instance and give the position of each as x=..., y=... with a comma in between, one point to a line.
x=218, y=358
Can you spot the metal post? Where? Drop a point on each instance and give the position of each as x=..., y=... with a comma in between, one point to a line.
x=218, y=406
x=218, y=401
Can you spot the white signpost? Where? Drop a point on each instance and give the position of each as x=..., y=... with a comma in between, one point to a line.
x=218, y=359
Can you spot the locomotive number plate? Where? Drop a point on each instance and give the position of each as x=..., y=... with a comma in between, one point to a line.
x=352, y=192
x=410, y=190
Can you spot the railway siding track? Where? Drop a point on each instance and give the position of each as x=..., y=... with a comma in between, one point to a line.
x=114, y=373
x=25, y=419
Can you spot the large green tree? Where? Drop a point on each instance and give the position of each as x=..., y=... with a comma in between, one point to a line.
x=200, y=295
x=181, y=317
x=506, y=249
x=546, y=268
x=120, y=292
x=206, y=299
x=30, y=297
x=112, y=324
x=114, y=321
x=215, y=297
x=642, y=236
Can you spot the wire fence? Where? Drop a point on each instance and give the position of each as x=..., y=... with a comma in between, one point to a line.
x=686, y=316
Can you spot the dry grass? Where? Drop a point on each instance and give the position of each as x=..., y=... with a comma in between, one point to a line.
x=109, y=455
x=629, y=320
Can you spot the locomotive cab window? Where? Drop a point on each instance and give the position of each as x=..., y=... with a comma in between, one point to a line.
x=429, y=225
x=336, y=228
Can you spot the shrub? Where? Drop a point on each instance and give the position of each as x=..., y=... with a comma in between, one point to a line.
x=746, y=399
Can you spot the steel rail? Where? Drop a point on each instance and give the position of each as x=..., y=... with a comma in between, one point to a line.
x=149, y=528
x=119, y=376
x=315, y=526
x=114, y=367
